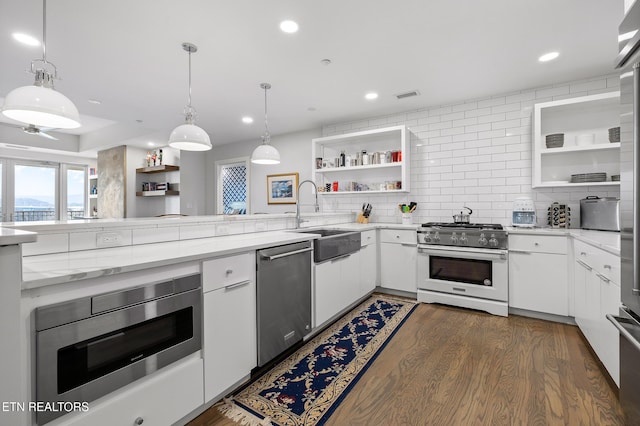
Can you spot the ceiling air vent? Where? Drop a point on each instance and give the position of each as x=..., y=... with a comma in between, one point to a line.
x=407, y=94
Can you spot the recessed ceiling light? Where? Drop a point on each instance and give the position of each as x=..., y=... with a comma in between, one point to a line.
x=247, y=120
x=325, y=61
x=26, y=39
x=548, y=56
x=289, y=27
x=94, y=101
x=311, y=109
x=151, y=144
x=371, y=96
x=138, y=121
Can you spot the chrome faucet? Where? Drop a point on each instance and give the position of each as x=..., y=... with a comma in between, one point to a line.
x=299, y=220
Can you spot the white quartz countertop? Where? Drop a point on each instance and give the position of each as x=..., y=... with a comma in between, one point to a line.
x=606, y=240
x=49, y=269
x=15, y=236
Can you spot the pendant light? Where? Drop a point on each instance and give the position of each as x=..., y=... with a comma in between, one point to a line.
x=40, y=104
x=188, y=136
x=265, y=153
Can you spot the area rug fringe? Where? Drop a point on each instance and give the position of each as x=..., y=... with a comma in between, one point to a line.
x=237, y=414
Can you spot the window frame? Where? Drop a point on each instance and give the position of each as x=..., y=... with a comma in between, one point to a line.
x=220, y=164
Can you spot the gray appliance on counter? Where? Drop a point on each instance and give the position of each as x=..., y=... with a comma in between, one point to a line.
x=602, y=214
x=628, y=322
x=283, y=282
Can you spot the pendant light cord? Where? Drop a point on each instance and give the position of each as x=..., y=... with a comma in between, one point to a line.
x=266, y=126
x=44, y=31
x=189, y=79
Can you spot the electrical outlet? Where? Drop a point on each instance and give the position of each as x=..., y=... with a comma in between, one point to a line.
x=108, y=239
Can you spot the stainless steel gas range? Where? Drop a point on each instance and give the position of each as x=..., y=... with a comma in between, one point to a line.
x=464, y=264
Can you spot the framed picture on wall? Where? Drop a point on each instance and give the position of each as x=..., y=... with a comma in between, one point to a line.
x=282, y=188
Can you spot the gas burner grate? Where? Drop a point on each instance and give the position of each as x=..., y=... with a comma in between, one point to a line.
x=494, y=226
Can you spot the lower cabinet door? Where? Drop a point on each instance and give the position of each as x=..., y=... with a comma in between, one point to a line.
x=329, y=291
x=538, y=282
x=610, y=339
x=230, y=342
x=162, y=399
x=398, y=265
x=368, y=269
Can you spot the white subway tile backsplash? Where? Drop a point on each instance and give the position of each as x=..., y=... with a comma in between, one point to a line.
x=475, y=153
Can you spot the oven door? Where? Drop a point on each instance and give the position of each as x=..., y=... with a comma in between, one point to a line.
x=473, y=272
x=86, y=359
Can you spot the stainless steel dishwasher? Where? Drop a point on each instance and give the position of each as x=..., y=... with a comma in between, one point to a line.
x=284, y=298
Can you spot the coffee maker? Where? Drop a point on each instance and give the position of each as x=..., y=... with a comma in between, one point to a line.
x=524, y=213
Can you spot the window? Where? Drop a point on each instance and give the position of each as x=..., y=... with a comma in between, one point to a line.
x=233, y=186
x=35, y=192
x=39, y=190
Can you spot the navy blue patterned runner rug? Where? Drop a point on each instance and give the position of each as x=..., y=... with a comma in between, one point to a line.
x=306, y=388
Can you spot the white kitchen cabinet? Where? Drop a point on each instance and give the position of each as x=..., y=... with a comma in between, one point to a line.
x=230, y=341
x=538, y=273
x=586, y=115
x=371, y=178
x=398, y=259
x=597, y=293
x=160, y=399
x=368, y=262
x=337, y=285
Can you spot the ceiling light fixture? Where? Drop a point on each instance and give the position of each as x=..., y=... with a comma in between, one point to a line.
x=247, y=120
x=188, y=136
x=548, y=57
x=265, y=153
x=26, y=39
x=94, y=101
x=371, y=96
x=40, y=104
x=289, y=27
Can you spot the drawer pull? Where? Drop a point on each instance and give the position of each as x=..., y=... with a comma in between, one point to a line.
x=603, y=278
x=536, y=244
x=240, y=284
x=228, y=272
x=138, y=421
x=607, y=267
x=584, y=264
x=583, y=253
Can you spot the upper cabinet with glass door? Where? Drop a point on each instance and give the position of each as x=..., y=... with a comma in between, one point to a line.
x=370, y=161
x=585, y=154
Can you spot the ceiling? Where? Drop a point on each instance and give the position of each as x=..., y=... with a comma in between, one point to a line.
x=128, y=55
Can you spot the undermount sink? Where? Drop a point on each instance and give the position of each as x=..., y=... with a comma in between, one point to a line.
x=333, y=243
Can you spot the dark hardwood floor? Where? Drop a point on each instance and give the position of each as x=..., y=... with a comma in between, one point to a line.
x=450, y=366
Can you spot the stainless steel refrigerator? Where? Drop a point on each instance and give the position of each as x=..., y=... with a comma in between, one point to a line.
x=628, y=322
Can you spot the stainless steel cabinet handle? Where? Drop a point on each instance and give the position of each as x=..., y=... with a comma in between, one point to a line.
x=138, y=421
x=536, y=244
x=603, y=278
x=623, y=331
x=607, y=266
x=228, y=272
x=519, y=251
x=583, y=253
x=408, y=244
x=584, y=264
x=236, y=285
x=636, y=177
x=289, y=253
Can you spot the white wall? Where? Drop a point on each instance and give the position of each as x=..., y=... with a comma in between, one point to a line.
x=475, y=153
x=295, y=157
x=192, y=183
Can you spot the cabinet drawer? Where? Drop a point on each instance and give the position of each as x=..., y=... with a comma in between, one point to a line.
x=603, y=262
x=367, y=237
x=555, y=244
x=224, y=271
x=400, y=236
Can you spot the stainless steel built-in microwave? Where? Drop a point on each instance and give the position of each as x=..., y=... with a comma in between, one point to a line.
x=88, y=347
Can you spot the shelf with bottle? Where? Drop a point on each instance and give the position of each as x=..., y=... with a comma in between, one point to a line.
x=366, y=157
x=573, y=136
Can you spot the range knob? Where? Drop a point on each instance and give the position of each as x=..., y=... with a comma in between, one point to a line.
x=427, y=237
x=436, y=237
x=463, y=238
x=454, y=238
x=493, y=242
x=482, y=240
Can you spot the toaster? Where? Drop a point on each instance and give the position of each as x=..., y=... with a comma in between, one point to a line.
x=602, y=214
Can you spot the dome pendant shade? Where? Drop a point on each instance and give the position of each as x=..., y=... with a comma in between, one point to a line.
x=189, y=137
x=265, y=154
x=42, y=107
